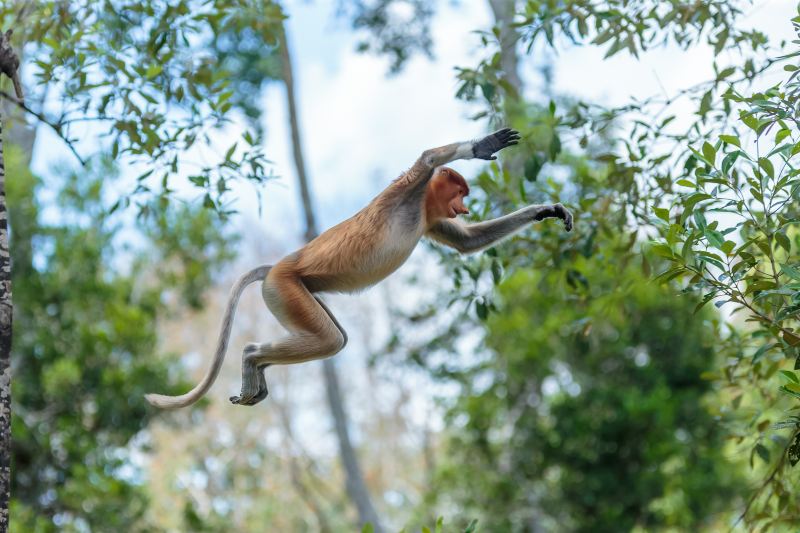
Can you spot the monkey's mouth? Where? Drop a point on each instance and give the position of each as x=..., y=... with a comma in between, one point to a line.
x=457, y=210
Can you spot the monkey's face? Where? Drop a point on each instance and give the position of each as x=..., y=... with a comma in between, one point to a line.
x=446, y=193
x=455, y=206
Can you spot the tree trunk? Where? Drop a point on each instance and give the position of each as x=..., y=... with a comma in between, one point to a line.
x=8, y=66
x=356, y=488
x=5, y=350
x=503, y=11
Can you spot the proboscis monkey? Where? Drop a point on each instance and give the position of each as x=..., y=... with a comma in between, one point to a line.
x=357, y=253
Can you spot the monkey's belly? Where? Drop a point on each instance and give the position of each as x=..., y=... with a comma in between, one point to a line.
x=350, y=257
x=349, y=276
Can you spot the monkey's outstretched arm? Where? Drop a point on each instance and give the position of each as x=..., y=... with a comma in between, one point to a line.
x=484, y=148
x=468, y=238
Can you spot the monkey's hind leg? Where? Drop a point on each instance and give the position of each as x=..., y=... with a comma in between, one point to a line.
x=314, y=334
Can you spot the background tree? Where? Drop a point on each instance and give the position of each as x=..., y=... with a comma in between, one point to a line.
x=9, y=63
x=748, y=263
x=87, y=331
x=564, y=427
x=246, y=53
x=124, y=74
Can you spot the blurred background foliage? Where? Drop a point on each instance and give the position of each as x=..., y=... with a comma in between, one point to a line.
x=592, y=388
x=86, y=345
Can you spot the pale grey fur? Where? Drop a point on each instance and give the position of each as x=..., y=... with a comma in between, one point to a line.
x=173, y=402
x=468, y=238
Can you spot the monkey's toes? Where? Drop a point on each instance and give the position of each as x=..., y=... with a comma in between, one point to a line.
x=240, y=400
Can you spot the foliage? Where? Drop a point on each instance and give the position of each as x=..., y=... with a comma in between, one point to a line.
x=139, y=69
x=394, y=28
x=718, y=188
x=246, y=49
x=85, y=352
x=587, y=429
x=730, y=235
x=625, y=441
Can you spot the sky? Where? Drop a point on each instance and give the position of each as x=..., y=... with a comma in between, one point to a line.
x=361, y=129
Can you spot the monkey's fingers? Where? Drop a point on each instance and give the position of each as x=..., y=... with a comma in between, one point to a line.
x=486, y=147
x=566, y=216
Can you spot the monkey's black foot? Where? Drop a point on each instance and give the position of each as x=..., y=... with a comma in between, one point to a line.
x=260, y=395
x=262, y=392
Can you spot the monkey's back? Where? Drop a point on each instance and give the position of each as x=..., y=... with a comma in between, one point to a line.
x=360, y=251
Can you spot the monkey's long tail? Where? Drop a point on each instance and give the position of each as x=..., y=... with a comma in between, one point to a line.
x=173, y=402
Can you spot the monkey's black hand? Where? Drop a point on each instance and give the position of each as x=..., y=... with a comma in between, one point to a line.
x=486, y=147
x=564, y=214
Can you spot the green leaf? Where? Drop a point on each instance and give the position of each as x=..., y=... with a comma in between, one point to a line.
x=153, y=70
x=488, y=90
x=766, y=165
x=725, y=73
x=368, y=528
x=230, y=152
x=715, y=238
x=762, y=350
x=729, y=160
x=694, y=198
x=533, y=166
x=728, y=247
x=662, y=213
x=709, y=152
x=791, y=376
x=791, y=271
x=749, y=120
x=497, y=271
x=731, y=139
x=663, y=250
x=481, y=309
x=762, y=452
x=471, y=527
x=555, y=147
x=783, y=241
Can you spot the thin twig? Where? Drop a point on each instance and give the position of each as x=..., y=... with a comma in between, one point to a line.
x=766, y=482
x=43, y=119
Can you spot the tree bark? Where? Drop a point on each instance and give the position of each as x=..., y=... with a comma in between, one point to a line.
x=356, y=488
x=503, y=11
x=5, y=350
x=9, y=63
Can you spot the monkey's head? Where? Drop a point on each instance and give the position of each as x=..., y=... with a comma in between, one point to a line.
x=445, y=195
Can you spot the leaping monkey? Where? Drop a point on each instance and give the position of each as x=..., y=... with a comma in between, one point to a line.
x=357, y=253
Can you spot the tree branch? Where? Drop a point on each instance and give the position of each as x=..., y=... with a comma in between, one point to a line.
x=43, y=119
